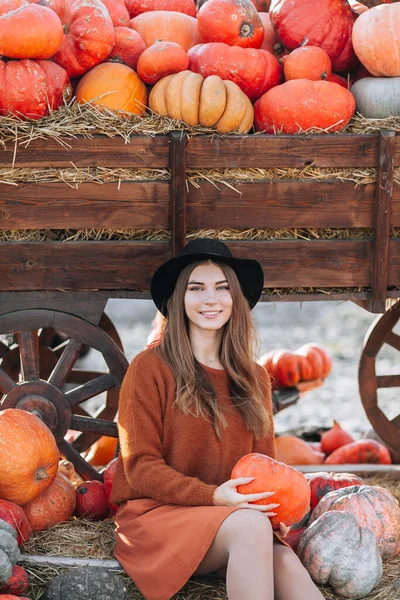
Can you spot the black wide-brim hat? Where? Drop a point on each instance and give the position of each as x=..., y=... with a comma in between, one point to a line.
x=248, y=271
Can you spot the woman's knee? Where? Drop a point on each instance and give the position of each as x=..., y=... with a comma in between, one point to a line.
x=247, y=527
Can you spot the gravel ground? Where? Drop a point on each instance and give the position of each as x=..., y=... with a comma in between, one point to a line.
x=339, y=326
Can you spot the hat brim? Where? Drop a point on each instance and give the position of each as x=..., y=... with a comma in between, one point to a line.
x=248, y=271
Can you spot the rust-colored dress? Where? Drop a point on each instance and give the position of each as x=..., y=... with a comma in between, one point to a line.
x=169, y=466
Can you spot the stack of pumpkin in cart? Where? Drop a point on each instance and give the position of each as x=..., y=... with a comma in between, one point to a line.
x=227, y=66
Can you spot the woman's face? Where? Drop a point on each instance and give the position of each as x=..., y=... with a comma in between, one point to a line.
x=208, y=300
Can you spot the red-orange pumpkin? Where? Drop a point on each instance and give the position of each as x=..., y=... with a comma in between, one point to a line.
x=319, y=359
x=327, y=24
x=14, y=515
x=91, y=501
x=292, y=492
x=55, y=505
x=334, y=438
x=292, y=450
x=30, y=89
x=113, y=86
x=137, y=7
x=335, y=78
x=322, y=483
x=301, y=104
x=161, y=59
x=308, y=62
x=254, y=71
x=108, y=477
x=233, y=22
x=118, y=12
x=374, y=507
x=17, y=584
x=28, y=30
x=128, y=46
x=361, y=451
x=88, y=36
x=28, y=456
x=167, y=26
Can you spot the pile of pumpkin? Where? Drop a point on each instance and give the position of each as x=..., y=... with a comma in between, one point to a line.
x=204, y=67
x=340, y=528
x=38, y=491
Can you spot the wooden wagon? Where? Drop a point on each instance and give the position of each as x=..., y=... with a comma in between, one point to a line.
x=62, y=287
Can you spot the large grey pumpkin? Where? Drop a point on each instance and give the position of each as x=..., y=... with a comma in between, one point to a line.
x=86, y=583
x=336, y=550
x=377, y=97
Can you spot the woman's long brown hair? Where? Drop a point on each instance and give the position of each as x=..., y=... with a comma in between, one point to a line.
x=195, y=393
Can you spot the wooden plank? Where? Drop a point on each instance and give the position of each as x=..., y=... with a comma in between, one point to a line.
x=283, y=204
x=178, y=190
x=360, y=469
x=100, y=151
x=269, y=151
x=57, y=206
x=394, y=266
x=80, y=265
x=382, y=221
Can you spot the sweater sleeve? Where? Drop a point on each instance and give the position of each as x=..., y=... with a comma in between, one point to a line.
x=140, y=425
x=266, y=445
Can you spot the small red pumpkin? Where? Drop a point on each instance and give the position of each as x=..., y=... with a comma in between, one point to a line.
x=292, y=492
x=17, y=584
x=128, y=46
x=161, y=59
x=14, y=515
x=361, y=451
x=55, y=505
x=322, y=483
x=307, y=62
x=91, y=501
x=108, y=477
x=334, y=438
x=232, y=22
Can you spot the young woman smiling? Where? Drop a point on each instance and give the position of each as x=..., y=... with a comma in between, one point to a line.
x=189, y=409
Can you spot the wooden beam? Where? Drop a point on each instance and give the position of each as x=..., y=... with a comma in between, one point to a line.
x=178, y=190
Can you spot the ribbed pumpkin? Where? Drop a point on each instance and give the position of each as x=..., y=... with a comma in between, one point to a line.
x=292, y=450
x=319, y=359
x=128, y=46
x=323, y=483
x=113, y=86
x=374, y=507
x=326, y=23
x=137, y=7
x=335, y=550
x=308, y=62
x=301, y=104
x=292, y=492
x=161, y=59
x=28, y=456
x=55, y=505
x=167, y=26
x=88, y=35
x=233, y=22
x=210, y=102
x=361, y=451
x=28, y=30
x=30, y=89
x=254, y=71
x=376, y=40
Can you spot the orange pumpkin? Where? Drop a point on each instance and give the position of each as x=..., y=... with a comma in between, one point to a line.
x=118, y=12
x=308, y=62
x=167, y=26
x=335, y=438
x=232, y=22
x=137, y=7
x=88, y=35
x=292, y=492
x=128, y=46
x=361, y=451
x=376, y=40
x=102, y=451
x=28, y=30
x=319, y=359
x=292, y=450
x=113, y=86
x=55, y=505
x=161, y=59
x=28, y=456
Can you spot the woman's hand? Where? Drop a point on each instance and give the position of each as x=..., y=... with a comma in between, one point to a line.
x=283, y=531
x=227, y=495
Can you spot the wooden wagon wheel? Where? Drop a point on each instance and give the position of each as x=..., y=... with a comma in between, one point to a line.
x=380, y=333
x=49, y=355
x=61, y=409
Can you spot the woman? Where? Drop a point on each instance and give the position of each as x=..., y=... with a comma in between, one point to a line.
x=189, y=409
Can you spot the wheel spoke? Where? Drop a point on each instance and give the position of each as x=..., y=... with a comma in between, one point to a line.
x=393, y=340
x=46, y=336
x=388, y=381
x=29, y=353
x=65, y=363
x=6, y=383
x=3, y=349
x=100, y=426
x=82, y=467
x=81, y=376
x=90, y=389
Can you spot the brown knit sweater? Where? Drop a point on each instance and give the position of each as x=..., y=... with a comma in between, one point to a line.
x=169, y=456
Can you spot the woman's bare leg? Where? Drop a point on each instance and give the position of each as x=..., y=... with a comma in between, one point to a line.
x=243, y=544
x=292, y=582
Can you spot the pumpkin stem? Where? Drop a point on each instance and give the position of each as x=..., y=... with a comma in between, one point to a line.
x=304, y=42
x=66, y=29
x=40, y=474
